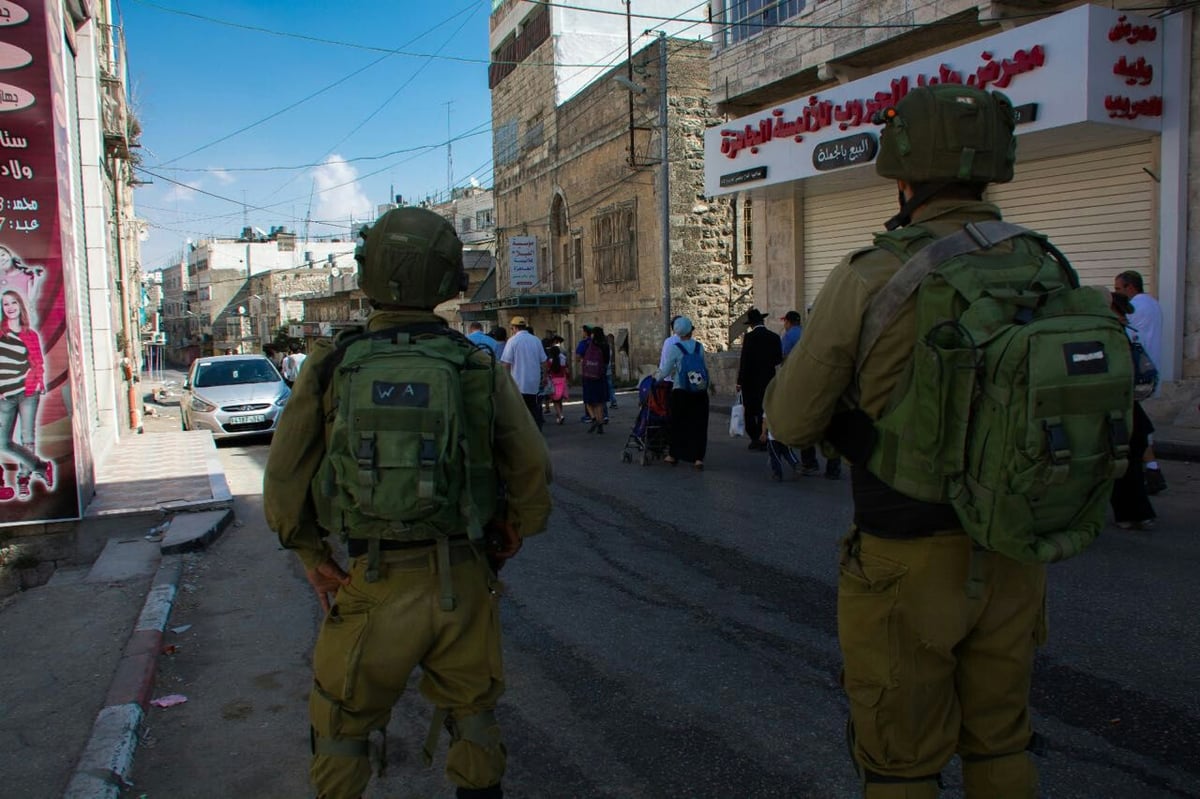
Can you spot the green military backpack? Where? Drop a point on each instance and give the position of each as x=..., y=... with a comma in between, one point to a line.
x=408, y=452
x=1017, y=404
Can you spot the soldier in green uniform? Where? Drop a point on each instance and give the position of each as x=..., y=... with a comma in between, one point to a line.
x=929, y=671
x=400, y=604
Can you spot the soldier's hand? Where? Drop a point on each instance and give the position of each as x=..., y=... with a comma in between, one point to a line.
x=503, y=542
x=326, y=579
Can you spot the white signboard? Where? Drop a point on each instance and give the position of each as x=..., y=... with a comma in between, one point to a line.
x=1088, y=64
x=522, y=262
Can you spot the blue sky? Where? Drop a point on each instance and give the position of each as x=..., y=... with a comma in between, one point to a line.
x=193, y=81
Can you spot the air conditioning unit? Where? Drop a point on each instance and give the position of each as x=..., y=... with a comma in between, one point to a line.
x=160, y=337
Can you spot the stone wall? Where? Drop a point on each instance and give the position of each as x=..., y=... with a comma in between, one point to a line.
x=1191, y=286
x=582, y=165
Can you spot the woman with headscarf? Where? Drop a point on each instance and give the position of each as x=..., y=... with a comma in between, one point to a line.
x=689, y=397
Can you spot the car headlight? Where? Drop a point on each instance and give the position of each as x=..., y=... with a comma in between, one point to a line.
x=200, y=405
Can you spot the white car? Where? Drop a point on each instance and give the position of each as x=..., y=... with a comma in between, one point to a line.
x=233, y=395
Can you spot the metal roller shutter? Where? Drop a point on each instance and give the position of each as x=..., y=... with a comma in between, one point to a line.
x=1099, y=208
x=835, y=224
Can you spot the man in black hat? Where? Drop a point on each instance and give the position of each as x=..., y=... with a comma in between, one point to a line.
x=762, y=351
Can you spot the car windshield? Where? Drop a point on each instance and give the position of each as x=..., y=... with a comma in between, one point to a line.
x=234, y=373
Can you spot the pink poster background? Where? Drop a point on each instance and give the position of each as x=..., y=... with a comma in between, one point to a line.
x=36, y=223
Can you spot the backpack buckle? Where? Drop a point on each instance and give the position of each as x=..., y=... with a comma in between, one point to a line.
x=1118, y=434
x=365, y=454
x=1057, y=443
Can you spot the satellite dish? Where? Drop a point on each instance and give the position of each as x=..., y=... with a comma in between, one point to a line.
x=335, y=272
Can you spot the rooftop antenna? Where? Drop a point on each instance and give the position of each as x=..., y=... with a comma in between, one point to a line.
x=308, y=213
x=449, y=156
x=245, y=212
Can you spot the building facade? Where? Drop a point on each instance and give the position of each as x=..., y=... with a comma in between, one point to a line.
x=1108, y=140
x=585, y=207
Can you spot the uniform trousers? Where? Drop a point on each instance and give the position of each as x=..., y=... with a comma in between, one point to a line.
x=931, y=672
x=378, y=633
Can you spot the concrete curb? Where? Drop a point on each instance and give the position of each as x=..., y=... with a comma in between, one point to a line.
x=195, y=531
x=104, y=767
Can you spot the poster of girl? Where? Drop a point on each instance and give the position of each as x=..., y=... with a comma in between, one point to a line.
x=22, y=383
x=18, y=275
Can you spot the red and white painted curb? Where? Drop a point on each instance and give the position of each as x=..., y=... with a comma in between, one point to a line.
x=104, y=767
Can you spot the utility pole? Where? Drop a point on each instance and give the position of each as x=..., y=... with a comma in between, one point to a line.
x=665, y=178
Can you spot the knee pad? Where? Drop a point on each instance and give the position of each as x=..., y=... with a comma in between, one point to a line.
x=1007, y=775
x=477, y=757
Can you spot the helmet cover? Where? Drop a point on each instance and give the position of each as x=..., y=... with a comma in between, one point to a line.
x=410, y=257
x=948, y=133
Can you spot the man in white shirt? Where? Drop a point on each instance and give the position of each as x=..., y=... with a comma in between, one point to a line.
x=1146, y=322
x=292, y=364
x=525, y=358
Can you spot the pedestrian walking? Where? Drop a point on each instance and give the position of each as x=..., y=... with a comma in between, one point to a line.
x=762, y=352
x=1132, y=509
x=942, y=585
x=480, y=339
x=1147, y=320
x=593, y=368
x=525, y=359
x=291, y=364
x=420, y=588
x=690, y=387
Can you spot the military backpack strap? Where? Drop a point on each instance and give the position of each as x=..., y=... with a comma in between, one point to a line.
x=884, y=306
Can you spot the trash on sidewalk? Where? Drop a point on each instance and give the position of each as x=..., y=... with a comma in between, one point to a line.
x=170, y=649
x=158, y=532
x=183, y=628
x=170, y=700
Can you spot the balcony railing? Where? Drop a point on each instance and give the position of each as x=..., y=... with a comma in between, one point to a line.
x=114, y=109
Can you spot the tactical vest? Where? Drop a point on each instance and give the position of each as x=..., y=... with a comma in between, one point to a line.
x=1016, y=405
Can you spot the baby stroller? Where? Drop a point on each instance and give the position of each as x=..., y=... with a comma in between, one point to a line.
x=649, y=438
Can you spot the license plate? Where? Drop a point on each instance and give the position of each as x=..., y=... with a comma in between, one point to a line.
x=252, y=419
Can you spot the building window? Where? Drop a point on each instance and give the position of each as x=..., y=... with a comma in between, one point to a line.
x=534, y=135
x=505, y=142
x=465, y=224
x=577, y=260
x=483, y=219
x=743, y=232
x=614, y=243
x=746, y=18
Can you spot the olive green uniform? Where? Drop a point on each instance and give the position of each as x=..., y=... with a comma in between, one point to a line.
x=929, y=672
x=379, y=631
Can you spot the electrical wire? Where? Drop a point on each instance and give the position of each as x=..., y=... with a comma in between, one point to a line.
x=303, y=100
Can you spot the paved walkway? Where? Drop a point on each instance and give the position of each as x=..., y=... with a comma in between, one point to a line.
x=159, y=471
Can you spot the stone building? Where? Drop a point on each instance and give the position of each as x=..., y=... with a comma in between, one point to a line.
x=1108, y=137
x=578, y=183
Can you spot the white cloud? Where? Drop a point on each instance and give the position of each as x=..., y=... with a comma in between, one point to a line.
x=183, y=192
x=223, y=177
x=338, y=192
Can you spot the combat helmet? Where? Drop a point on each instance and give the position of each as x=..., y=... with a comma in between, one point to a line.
x=410, y=257
x=944, y=134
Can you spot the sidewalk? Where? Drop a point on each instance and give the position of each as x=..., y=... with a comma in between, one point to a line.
x=81, y=651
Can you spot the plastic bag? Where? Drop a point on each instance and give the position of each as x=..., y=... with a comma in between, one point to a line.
x=1145, y=373
x=737, y=419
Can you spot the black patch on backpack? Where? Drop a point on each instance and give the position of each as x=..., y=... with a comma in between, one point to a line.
x=402, y=395
x=1085, y=358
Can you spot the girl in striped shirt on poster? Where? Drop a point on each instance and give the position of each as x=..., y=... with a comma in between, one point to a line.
x=22, y=383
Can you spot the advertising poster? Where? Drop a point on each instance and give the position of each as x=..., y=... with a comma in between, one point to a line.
x=522, y=262
x=37, y=457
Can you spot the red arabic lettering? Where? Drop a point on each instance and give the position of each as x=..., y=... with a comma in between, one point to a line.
x=1132, y=34
x=1136, y=72
x=1122, y=107
x=818, y=114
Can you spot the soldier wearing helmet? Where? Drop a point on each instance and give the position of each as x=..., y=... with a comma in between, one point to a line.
x=929, y=671
x=419, y=605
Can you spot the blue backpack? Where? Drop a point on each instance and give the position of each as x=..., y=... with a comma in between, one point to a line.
x=693, y=372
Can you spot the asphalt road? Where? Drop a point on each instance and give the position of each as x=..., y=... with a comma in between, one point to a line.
x=673, y=635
